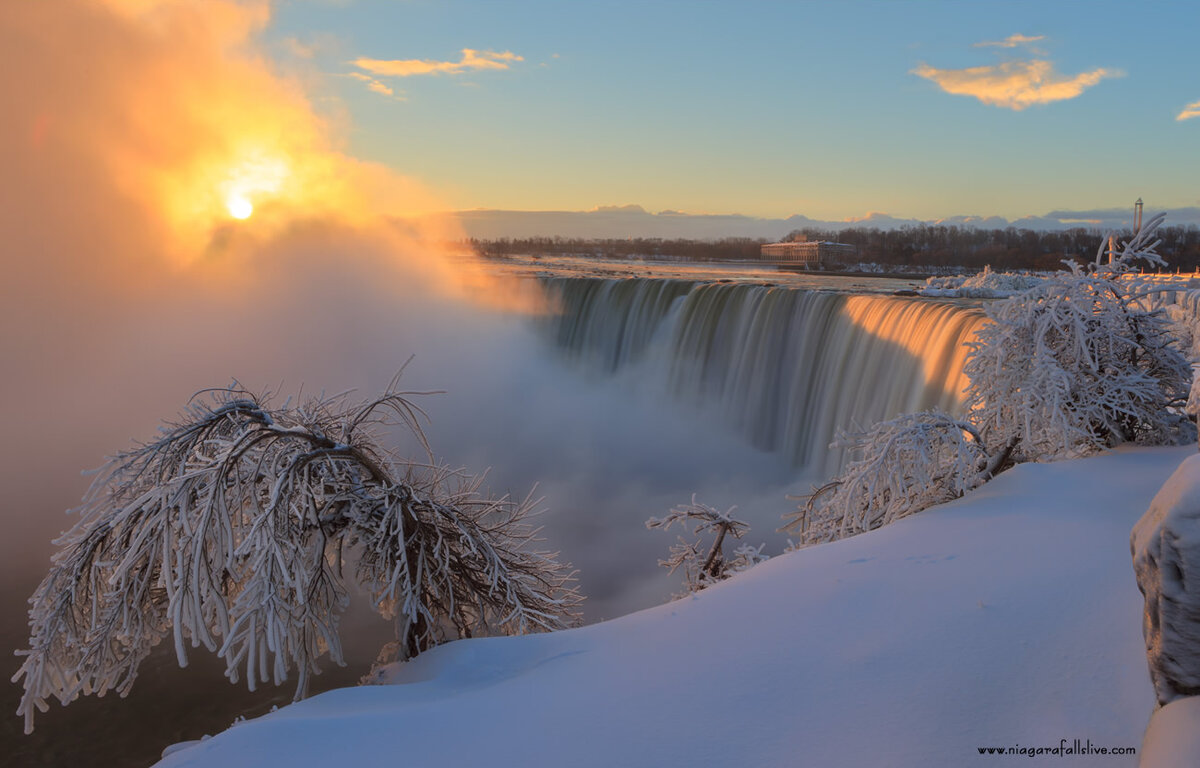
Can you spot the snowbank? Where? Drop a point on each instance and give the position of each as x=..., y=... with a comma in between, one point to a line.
x=1008, y=619
x=983, y=285
x=1173, y=736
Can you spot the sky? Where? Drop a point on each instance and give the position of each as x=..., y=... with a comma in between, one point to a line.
x=767, y=109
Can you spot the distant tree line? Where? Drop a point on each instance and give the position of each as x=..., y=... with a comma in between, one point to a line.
x=1009, y=248
x=918, y=245
x=725, y=249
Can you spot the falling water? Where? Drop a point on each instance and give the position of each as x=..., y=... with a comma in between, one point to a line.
x=786, y=368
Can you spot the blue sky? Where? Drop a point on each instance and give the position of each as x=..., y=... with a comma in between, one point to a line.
x=762, y=108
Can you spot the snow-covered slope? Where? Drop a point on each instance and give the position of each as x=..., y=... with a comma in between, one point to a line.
x=1006, y=619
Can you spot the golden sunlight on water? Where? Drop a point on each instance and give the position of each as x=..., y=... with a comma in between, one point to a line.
x=935, y=332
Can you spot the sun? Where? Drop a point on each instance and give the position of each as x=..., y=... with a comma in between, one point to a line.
x=239, y=207
x=257, y=175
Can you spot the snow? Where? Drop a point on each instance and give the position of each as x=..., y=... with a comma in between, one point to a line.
x=983, y=285
x=1007, y=618
x=1173, y=737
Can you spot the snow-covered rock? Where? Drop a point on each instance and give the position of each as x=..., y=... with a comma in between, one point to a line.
x=1166, y=558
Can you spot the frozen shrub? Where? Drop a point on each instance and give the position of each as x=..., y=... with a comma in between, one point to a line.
x=704, y=566
x=896, y=468
x=233, y=530
x=1077, y=364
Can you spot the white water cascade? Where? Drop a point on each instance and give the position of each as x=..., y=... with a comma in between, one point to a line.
x=786, y=368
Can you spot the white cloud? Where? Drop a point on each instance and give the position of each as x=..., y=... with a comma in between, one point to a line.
x=1012, y=41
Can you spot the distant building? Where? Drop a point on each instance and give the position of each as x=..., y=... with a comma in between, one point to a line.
x=808, y=253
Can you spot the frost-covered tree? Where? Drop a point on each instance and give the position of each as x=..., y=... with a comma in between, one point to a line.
x=1078, y=364
x=896, y=468
x=234, y=530
x=703, y=566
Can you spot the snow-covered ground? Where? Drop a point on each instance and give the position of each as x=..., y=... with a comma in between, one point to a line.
x=1008, y=619
x=998, y=285
x=983, y=285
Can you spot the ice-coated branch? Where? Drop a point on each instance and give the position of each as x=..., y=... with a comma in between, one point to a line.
x=1139, y=248
x=231, y=529
x=897, y=468
x=703, y=519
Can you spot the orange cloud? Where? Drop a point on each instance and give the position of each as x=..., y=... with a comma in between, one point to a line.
x=471, y=60
x=1190, y=111
x=1012, y=41
x=1014, y=84
x=298, y=49
x=374, y=85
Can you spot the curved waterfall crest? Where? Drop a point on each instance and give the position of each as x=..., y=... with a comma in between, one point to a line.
x=784, y=367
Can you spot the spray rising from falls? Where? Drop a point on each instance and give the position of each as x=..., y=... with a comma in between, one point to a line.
x=786, y=368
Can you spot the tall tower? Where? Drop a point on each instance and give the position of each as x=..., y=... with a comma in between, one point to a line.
x=1137, y=216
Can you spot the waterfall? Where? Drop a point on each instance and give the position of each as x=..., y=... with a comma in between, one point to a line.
x=610, y=323
x=786, y=368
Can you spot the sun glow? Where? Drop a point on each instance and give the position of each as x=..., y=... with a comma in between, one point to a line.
x=239, y=207
x=206, y=133
x=259, y=174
